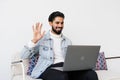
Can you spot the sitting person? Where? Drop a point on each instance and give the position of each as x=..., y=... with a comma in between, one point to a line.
x=51, y=50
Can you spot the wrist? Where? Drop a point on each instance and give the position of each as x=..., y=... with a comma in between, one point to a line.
x=34, y=41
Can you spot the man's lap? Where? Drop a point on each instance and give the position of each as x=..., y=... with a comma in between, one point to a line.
x=52, y=74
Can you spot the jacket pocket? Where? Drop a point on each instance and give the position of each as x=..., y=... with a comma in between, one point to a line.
x=43, y=51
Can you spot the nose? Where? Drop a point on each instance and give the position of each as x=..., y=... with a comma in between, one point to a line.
x=60, y=25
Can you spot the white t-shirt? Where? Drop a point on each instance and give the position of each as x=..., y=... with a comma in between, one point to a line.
x=58, y=56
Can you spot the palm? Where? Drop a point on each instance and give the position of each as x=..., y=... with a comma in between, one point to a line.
x=37, y=34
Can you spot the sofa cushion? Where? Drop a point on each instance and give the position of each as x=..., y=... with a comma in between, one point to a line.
x=32, y=63
x=108, y=75
x=101, y=62
x=27, y=77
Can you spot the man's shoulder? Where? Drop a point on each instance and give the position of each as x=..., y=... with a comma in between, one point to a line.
x=67, y=40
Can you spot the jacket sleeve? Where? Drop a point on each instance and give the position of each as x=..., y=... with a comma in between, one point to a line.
x=28, y=52
x=69, y=42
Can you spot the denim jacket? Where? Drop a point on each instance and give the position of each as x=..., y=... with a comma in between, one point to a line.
x=45, y=49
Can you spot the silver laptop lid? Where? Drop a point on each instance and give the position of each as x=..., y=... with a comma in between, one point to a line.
x=81, y=57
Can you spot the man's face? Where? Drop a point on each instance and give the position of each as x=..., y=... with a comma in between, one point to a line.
x=57, y=25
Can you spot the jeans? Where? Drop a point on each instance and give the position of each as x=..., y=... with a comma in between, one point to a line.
x=52, y=74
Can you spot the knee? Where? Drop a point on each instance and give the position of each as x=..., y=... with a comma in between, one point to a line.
x=91, y=75
x=60, y=76
x=63, y=77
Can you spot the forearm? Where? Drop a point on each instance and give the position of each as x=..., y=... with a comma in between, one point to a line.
x=29, y=50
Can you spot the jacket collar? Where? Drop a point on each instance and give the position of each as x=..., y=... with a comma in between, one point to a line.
x=47, y=36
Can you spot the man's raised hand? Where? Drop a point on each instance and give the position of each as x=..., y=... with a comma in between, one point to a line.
x=37, y=34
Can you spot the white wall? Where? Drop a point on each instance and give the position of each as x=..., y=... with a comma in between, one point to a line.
x=86, y=22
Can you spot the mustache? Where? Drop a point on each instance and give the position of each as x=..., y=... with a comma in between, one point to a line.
x=59, y=27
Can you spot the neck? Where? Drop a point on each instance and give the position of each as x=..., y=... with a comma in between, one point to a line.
x=54, y=34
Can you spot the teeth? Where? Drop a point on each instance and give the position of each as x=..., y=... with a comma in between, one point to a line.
x=58, y=29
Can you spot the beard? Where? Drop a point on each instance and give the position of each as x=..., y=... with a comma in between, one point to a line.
x=58, y=32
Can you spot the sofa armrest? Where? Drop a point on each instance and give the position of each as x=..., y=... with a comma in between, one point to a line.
x=116, y=57
x=113, y=63
x=113, y=72
x=14, y=67
x=16, y=62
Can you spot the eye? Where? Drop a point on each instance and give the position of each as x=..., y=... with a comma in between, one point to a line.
x=62, y=22
x=57, y=22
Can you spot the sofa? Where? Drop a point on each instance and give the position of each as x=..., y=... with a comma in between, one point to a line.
x=113, y=72
x=19, y=69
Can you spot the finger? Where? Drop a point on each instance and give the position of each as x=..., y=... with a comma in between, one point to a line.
x=43, y=33
x=40, y=26
x=37, y=25
x=33, y=28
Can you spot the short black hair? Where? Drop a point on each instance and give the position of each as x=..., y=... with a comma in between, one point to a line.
x=55, y=14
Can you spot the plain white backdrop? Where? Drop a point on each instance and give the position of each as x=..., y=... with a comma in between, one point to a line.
x=87, y=22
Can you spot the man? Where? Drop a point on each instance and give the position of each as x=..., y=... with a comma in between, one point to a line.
x=51, y=48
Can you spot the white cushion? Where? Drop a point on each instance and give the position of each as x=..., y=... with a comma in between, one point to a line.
x=107, y=75
x=19, y=77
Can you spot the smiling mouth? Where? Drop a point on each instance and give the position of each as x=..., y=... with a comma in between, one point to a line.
x=58, y=28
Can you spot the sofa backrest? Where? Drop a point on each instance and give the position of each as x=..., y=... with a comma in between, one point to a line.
x=113, y=64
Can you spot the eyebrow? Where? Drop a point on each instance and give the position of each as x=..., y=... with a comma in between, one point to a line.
x=59, y=22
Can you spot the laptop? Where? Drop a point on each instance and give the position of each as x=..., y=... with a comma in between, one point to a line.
x=80, y=57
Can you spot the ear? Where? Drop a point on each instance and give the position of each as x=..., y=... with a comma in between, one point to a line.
x=50, y=23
